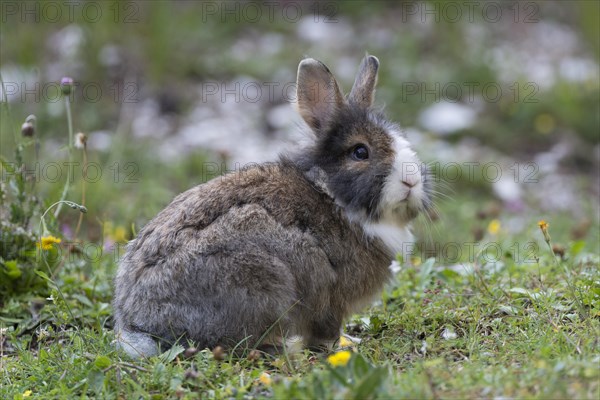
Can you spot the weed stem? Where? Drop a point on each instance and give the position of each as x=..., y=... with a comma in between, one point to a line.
x=70, y=149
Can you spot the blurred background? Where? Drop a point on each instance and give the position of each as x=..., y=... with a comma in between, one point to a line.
x=501, y=98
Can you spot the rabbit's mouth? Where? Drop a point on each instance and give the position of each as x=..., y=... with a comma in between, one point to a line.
x=404, y=211
x=411, y=212
x=398, y=214
x=401, y=211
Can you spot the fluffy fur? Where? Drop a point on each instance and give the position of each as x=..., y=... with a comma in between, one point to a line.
x=281, y=249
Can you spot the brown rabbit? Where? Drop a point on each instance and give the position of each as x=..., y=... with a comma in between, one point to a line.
x=281, y=249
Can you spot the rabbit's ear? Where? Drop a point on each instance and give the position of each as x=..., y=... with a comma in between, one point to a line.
x=363, y=90
x=318, y=94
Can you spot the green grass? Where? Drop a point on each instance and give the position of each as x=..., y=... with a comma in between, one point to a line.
x=524, y=329
x=514, y=323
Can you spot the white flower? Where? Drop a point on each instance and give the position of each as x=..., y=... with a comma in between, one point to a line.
x=80, y=140
x=449, y=334
x=395, y=267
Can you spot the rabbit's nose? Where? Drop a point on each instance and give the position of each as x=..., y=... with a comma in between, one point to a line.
x=410, y=180
x=410, y=174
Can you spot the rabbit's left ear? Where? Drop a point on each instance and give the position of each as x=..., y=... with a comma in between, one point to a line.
x=318, y=94
x=363, y=90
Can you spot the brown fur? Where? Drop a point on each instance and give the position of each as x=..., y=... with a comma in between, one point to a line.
x=308, y=281
x=274, y=250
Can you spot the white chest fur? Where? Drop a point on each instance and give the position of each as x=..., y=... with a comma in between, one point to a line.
x=397, y=239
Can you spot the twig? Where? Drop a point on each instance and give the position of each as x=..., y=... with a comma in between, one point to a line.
x=133, y=366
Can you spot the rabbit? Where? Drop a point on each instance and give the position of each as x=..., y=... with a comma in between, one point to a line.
x=280, y=250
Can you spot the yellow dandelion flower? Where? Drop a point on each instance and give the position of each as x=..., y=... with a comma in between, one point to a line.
x=345, y=342
x=47, y=242
x=494, y=227
x=27, y=393
x=340, y=358
x=265, y=379
x=119, y=235
x=544, y=228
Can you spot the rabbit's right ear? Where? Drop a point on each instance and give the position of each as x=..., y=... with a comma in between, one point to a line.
x=318, y=94
x=363, y=90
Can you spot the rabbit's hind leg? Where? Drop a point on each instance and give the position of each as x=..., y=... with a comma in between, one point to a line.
x=324, y=334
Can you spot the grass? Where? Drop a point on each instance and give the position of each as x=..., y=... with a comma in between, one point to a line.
x=519, y=322
x=501, y=328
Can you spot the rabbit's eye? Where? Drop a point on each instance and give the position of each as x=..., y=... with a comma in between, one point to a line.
x=360, y=152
